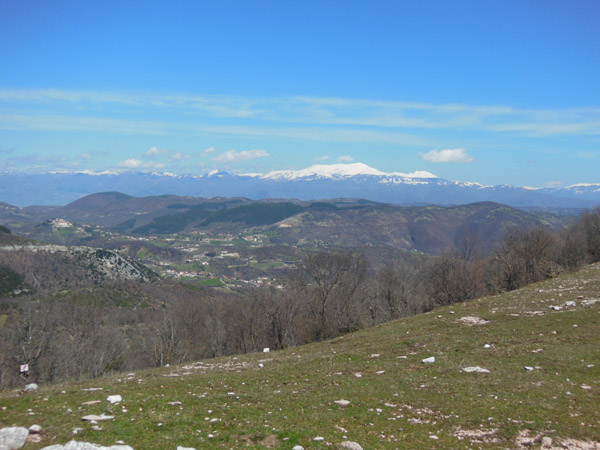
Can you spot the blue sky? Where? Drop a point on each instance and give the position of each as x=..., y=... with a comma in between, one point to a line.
x=488, y=91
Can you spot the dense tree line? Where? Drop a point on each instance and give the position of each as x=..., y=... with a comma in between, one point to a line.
x=89, y=332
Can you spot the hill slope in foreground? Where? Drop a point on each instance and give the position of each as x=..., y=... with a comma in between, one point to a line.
x=540, y=345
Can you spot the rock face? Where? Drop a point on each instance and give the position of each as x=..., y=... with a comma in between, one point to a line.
x=74, y=445
x=12, y=438
x=93, y=264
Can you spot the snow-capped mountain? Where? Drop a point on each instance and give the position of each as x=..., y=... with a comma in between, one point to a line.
x=355, y=180
x=336, y=172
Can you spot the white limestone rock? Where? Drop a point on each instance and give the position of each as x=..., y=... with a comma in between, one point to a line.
x=35, y=429
x=475, y=369
x=342, y=402
x=114, y=399
x=12, y=438
x=75, y=445
x=96, y=418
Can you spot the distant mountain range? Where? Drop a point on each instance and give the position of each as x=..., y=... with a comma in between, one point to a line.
x=337, y=222
x=316, y=182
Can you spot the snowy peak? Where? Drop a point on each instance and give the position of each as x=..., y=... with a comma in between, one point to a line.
x=338, y=171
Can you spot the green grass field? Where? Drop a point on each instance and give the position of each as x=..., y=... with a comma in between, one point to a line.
x=396, y=401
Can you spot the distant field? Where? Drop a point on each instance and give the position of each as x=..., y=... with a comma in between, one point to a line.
x=543, y=382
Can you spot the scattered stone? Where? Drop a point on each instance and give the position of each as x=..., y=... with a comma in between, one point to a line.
x=266, y=350
x=77, y=430
x=91, y=402
x=31, y=387
x=524, y=439
x=528, y=368
x=12, y=438
x=434, y=437
x=475, y=369
x=487, y=346
x=586, y=387
x=478, y=436
x=185, y=448
x=34, y=438
x=297, y=447
x=261, y=365
x=358, y=374
x=318, y=438
x=555, y=308
x=74, y=445
x=429, y=360
x=380, y=372
x=375, y=355
x=546, y=442
x=35, y=429
x=570, y=303
x=92, y=389
x=342, y=402
x=576, y=444
x=96, y=418
x=350, y=445
x=114, y=399
x=471, y=320
x=590, y=302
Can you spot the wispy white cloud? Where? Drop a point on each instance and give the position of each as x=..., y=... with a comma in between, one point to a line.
x=61, y=110
x=133, y=163
x=232, y=156
x=179, y=156
x=77, y=123
x=323, y=158
x=448, y=156
x=208, y=151
x=154, y=151
x=345, y=158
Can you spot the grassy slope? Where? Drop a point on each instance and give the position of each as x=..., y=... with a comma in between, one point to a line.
x=292, y=396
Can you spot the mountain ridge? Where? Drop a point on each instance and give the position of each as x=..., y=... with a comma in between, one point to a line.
x=354, y=180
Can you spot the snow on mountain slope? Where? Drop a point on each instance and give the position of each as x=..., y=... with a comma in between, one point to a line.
x=336, y=171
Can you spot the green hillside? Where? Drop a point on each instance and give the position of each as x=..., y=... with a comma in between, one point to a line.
x=286, y=398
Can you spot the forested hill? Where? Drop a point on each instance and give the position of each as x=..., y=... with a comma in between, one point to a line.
x=336, y=222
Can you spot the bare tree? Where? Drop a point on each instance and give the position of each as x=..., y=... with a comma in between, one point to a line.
x=331, y=280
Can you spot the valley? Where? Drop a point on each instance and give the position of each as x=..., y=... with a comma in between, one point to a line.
x=237, y=241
